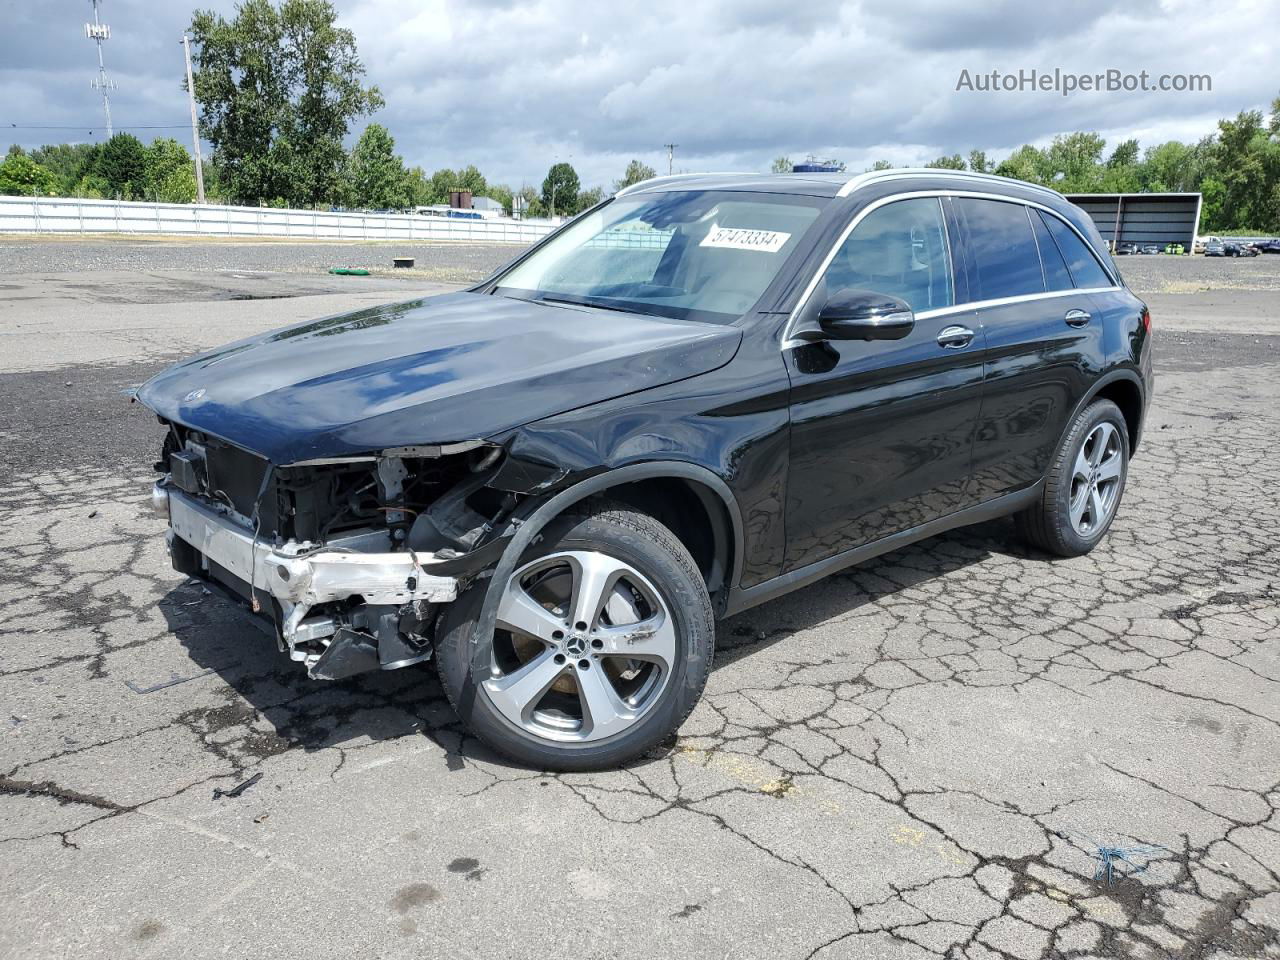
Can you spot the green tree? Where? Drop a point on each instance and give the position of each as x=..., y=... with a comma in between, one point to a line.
x=70, y=163
x=781, y=164
x=376, y=177
x=1074, y=162
x=589, y=198
x=881, y=165
x=22, y=176
x=638, y=172
x=560, y=189
x=503, y=194
x=978, y=161
x=122, y=165
x=470, y=178
x=1124, y=155
x=169, y=174
x=278, y=89
x=953, y=162
x=1026, y=163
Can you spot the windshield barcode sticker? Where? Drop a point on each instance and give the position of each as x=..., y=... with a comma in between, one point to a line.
x=738, y=238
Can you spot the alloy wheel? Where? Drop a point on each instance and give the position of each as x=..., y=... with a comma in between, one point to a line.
x=584, y=647
x=1095, y=479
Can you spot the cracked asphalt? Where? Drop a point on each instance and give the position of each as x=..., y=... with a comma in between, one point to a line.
x=919, y=757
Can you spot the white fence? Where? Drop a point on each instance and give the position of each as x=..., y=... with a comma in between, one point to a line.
x=69, y=215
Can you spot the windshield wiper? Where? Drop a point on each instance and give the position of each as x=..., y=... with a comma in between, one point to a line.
x=589, y=303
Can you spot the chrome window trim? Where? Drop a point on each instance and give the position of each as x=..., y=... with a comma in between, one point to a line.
x=787, y=340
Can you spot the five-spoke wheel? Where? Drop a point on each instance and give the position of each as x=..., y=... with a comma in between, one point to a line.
x=602, y=644
x=1084, y=484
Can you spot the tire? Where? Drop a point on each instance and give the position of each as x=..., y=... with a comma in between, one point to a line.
x=657, y=583
x=1072, y=516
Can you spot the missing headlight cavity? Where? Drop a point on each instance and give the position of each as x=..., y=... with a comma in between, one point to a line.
x=349, y=556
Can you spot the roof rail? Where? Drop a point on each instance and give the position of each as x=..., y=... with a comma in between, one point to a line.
x=909, y=173
x=684, y=176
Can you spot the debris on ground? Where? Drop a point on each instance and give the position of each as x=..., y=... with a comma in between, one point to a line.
x=238, y=788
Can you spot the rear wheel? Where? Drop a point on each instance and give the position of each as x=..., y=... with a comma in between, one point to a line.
x=603, y=644
x=1084, y=485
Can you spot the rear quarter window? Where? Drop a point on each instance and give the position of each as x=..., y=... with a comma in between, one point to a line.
x=1002, y=248
x=1084, y=266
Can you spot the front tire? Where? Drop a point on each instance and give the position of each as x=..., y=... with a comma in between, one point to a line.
x=603, y=645
x=1084, y=485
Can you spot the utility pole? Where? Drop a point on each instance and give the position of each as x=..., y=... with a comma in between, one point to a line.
x=99, y=31
x=195, y=128
x=671, y=153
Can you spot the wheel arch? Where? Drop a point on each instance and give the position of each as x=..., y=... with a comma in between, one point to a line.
x=637, y=484
x=1123, y=388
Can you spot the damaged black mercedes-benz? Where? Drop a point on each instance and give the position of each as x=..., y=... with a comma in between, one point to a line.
x=701, y=394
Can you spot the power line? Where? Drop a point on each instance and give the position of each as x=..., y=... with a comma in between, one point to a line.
x=90, y=126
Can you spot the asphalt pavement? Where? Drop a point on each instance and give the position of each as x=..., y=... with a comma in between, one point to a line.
x=919, y=757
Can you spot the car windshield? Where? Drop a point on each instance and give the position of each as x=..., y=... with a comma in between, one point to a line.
x=691, y=255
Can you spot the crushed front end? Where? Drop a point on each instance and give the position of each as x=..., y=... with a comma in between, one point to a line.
x=347, y=559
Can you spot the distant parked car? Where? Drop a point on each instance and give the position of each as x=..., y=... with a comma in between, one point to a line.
x=1268, y=246
x=1202, y=242
x=1125, y=249
x=1215, y=248
x=1175, y=249
x=1151, y=248
x=1234, y=249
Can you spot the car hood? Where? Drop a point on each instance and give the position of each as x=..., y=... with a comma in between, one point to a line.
x=457, y=367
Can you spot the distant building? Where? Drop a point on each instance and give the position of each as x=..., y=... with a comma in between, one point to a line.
x=1143, y=218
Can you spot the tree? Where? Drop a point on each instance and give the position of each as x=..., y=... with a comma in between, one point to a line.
x=560, y=189
x=70, y=163
x=978, y=161
x=375, y=176
x=781, y=164
x=881, y=165
x=953, y=162
x=1074, y=162
x=1124, y=155
x=1026, y=163
x=636, y=172
x=470, y=178
x=589, y=198
x=122, y=165
x=278, y=89
x=169, y=175
x=22, y=176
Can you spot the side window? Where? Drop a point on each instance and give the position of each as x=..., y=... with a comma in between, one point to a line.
x=1084, y=266
x=1003, y=248
x=1056, y=275
x=899, y=249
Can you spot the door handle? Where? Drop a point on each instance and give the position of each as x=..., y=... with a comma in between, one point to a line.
x=1077, y=318
x=953, y=338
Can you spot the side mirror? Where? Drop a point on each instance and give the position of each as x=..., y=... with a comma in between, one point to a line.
x=863, y=315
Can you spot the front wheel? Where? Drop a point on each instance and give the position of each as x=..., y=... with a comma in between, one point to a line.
x=1084, y=485
x=603, y=644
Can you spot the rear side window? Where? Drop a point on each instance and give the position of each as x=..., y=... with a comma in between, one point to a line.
x=899, y=249
x=1056, y=275
x=1004, y=249
x=1084, y=266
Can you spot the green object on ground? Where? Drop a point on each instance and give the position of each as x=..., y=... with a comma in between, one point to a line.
x=349, y=271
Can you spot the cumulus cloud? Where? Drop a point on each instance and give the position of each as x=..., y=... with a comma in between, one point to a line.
x=515, y=86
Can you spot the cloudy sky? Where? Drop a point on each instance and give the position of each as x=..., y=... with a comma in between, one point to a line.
x=514, y=86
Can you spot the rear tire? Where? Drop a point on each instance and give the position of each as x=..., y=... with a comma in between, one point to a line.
x=580, y=682
x=1083, y=488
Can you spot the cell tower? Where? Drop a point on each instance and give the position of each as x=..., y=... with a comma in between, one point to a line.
x=97, y=32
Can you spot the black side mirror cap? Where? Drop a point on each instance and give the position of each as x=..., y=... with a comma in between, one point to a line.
x=851, y=314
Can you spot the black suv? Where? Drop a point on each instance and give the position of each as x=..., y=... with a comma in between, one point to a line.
x=693, y=398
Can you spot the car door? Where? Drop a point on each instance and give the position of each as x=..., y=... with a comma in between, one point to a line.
x=882, y=431
x=1043, y=340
